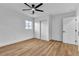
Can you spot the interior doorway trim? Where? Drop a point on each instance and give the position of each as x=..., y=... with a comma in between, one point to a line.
x=40, y=29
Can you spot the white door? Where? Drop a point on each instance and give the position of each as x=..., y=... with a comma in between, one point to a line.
x=69, y=31
x=41, y=30
x=44, y=30
x=37, y=29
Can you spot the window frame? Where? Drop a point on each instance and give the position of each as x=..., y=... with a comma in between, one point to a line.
x=28, y=24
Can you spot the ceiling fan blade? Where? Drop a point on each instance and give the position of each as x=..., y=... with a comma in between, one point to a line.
x=39, y=5
x=26, y=9
x=33, y=5
x=33, y=12
x=39, y=10
x=27, y=5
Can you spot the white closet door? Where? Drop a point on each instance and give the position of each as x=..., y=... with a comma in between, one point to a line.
x=44, y=30
x=37, y=30
x=41, y=30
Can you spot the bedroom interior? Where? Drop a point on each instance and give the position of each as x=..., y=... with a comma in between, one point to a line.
x=39, y=29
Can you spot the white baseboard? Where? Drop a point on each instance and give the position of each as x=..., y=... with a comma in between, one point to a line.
x=1, y=45
x=13, y=42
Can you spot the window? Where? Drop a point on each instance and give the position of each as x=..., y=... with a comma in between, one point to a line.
x=28, y=24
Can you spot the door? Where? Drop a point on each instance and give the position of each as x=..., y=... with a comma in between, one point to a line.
x=69, y=31
x=37, y=29
x=41, y=30
x=44, y=30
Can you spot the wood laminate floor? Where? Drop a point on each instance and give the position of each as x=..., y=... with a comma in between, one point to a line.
x=37, y=47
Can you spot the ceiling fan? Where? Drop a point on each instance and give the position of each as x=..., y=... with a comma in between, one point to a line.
x=33, y=8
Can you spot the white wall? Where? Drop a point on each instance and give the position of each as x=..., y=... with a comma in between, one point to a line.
x=57, y=26
x=12, y=27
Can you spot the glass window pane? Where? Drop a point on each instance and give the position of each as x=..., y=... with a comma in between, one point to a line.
x=26, y=27
x=28, y=24
x=27, y=21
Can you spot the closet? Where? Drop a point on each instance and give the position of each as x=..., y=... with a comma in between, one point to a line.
x=41, y=29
